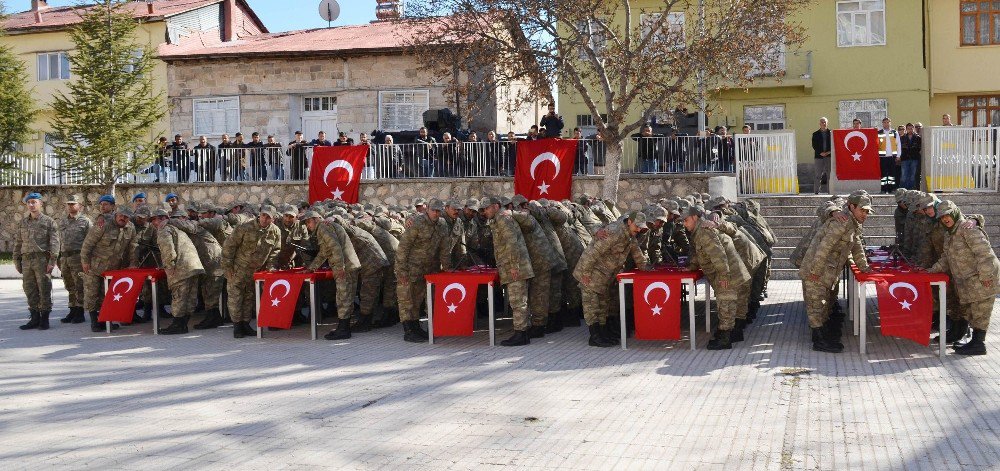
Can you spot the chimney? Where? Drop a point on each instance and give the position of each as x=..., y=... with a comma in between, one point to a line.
x=38, y=5
x=149, y=7
x=228, y=15
x=387, y=10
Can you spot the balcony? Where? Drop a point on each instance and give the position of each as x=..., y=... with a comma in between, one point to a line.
x=791, y=70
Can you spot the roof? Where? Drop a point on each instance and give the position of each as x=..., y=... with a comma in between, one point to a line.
x=55, y=18
x=372, y=37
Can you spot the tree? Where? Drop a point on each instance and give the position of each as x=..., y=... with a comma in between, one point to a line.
x=626, y=63
x=17, y=110
x=102, y=126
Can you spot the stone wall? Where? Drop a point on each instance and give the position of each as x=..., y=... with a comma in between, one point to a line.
x=634, y=191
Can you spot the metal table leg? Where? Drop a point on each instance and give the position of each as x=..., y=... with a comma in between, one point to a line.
x=863, y=317
x=430, y=314
x=107, y=325
x=489, y=295
x=156, y=308
x=621, y=309
x=942, y=320
x=256, y=303
x=708, y=307
x=691, y=315
x=312, y=308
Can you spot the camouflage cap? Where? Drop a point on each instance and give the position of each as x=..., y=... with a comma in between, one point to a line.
x=504, y=201
x=862, y=201
x=455, y=203
x=946, y=208
x=637, y=217
x=518, y=200
x=900, y=194
x=419, y=202
x=74, y=199
x=207, y=208
x=269, y=210
x=694, y=210
x=544, y=201
x=716, y=202
x=472, y=204
x=656, y=212
x=435, y=205
x=310, y=214
x=159, y=213
x=289, y=210
x=192, y=206
x=234, y=204
x=124, y=210
x=177, y=213
x=926, y=201
x=143, y=212
x=490, y=201
x=672, y=207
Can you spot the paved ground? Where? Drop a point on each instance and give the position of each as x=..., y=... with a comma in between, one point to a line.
x=74, y=400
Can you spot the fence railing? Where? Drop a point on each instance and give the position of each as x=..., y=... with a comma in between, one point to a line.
x=767, y=164
x=653, y=154
x=962, y=158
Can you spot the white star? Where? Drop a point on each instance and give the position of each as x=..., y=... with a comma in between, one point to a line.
x=452, y=308
x=275, y=302
x=857, y=157
x=905, y=305
x=337, y=194
x=656, y=310
x=543, y=188
x=118, y=297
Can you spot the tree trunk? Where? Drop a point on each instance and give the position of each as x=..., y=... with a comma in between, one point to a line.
x=111, y=188
x=612, y=170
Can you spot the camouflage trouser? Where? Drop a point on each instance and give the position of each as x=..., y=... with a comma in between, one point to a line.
x=556, y=291
x=36, y=282
x=759, y=280
x=371, y=282
x=93, y=292
x=766, y=275
x=71, y=268
x=978, y=313
x=517, y=295
x=597, y=301
x=539, y=294
x=411, y=295
x=953, y=309
x=389, y=288
x=817, y=298
x=184, y=294
x=347, y=287
x=732, y=305
x=241, y=297
x=571, y=290
x=742, y=299
x=211, y=289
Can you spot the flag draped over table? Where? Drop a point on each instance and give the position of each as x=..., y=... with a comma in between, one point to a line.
x=657, y=303
x=278, y=297
x=906, y=309
x=856, y=151
x=336, y=173
x=455, y=300
x=124, y=287
x=544, y=169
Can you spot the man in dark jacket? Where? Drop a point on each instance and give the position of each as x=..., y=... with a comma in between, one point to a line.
x=297, y=151
x=822, y=139
x=911, y=144
x=552, y=123
x=257, y=170
x=205, y=160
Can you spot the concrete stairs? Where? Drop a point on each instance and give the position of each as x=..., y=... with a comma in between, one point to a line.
x=791, y=217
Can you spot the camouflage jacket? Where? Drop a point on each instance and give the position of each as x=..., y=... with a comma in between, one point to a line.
x=550, y=233
x=235, y=220
x=36, y=235
x=251, y=248
x=513, y=260
x=72, y=232
x=180, y=258
x=385, y=240
x=456, y=236
x=209, y=250
x=290, y=238
x=750, y=229
x=586, y=217
x=750, y=210
x=218, y=227
x=969, y=260
x=674, y=238
x=899, y=219
x=147, y=251
x=912, y=234
x=369, y=252
x=835, y=244
x=569, y=239
x=540, y=249
x=336, y=248
x=823, y=214
x=650, y=242
x=109, y=247
x=605, y=257
x=422, y=249
x=748, y=250
x=715, y=255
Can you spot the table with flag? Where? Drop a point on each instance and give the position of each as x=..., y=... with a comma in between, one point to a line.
x=451, y=301
x=121, y=292
x=277, y=295
x=904, y=294
x=656, y=302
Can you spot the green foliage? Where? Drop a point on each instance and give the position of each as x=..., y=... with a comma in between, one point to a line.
x=102, y=126
x=17, y=111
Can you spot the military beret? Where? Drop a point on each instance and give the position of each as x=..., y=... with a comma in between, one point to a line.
x=103, y=199
x=946, y=208
x=32, y=196
x=436, y=205
x=169, y=196
x=74, y=199
x=269, y=210
x=157, y=213
x=862, y=201
x=137, y=196
x=518, y=200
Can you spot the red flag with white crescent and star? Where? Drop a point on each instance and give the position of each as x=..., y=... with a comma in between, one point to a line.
x=279, y=295
x=336, y=173
x=124, y=287
x=906, y=308
x=455, y=300
x=656, y=300
x=856, y=151
x=544, y=169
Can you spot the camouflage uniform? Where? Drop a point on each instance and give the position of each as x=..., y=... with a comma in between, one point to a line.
x=833, y=246
x=422, y=250
x=601, y=262
x=544, y=262
x=559, y=270
x=106, y=247
x=335, y=248
x=389, y=244
x=514, y=265
x=715, y=254
x=218, y=227
x=72, y=231
x=969, y=260
x=573, y=248
x=456, y=240
x=36, y=246
x=373, y=262
x=249, y=249
x=752, y=257
x=210, y=256
x=183, y=267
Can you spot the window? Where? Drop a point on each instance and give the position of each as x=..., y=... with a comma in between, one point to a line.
x=861, y=23
x=764, y=117
x=402, y=110
x=136, y=58
x=980, y=23
x=870, y=112
x=53, y=66
x=598, y=38
x=672, y=30
x=586, y=120
x=979, y=111
x=319, y=103
x=216, y=116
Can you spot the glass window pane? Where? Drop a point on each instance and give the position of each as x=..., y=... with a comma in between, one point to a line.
x=984, y=5
x=966, y=102
x=995, y=100
x=847, y=6
x=877, y=27
x=43, y=67
x=984, y=29
x=968, y=29
x=981, y=101
x=53, y=66
x=967, y=6
x=64, y=66
x=996, y=28
x=981, y=117
x=995, y=118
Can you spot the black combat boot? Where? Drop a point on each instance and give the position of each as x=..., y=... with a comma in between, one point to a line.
x=238, y=330
x=43, y=320
x=597, y=337
x=519, y=338
x=411, y=332
x=79, y=318
x=959, y=329
x=213, y=319
x=613, y=336
x=554, y=323
x=614, y=324
x=419, y=331
x=69, y=317
x=571, y=317
x=94, y=325
x=737, y=333
x=178, y=326
x=342, y=332
x=32, y=321
x=721, y=341
x=976, y=346
x=752, y=311
x=536, y=331
x=822, y=344
x=147, y=312
x=364, y=324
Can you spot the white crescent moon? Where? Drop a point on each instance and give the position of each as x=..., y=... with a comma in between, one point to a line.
x=853, y=134
x=908, y=286
x=339, y=164
x=120, y=281
x=655, y=286
x=458, y=286
x=288, y=288
x=547, y=156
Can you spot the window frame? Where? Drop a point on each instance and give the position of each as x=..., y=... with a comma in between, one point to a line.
x=753, y=123
x=382, y=104
x=196, y=131
x=993, y=17
x=885, y=23
x=317, y=103
x=62, y=59
x=876, y=120
x=646, y=17
x=974, y=108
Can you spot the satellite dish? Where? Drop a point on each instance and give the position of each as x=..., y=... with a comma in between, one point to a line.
x=329, y=10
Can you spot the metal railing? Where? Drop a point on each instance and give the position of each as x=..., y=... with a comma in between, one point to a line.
x=767, y=164
x=962, y=158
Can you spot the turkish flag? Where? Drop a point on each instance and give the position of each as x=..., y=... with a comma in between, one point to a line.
x=455, y=300
x=336, y=173
x=544, y=169
x=278, y=297
x=906, y=308
x=856, y=151
x=124, y=287
x=656, y=298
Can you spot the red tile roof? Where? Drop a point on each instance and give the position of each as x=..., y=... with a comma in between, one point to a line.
x=61, y=17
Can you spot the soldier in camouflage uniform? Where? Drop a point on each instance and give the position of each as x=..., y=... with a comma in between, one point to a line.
x=753, y=259
x=252, y=247
x=336, y=248
x=835, y=243
x=369, y=279
x=214, y=223
x=183, y=266
x=597, y=268
x=970, y=262
x=513, y=264
x=573, y=248
x=389, y=245
x=553, y=321
x=210, y=282
x=899, y=216
x=108, y=246
x=423, y=249
x=650, y=242
x=106, y=207
x=147, y=255
x=72, y=230
x=292, y=234
x=456, y=231
x=36, y=248
x=545, y=261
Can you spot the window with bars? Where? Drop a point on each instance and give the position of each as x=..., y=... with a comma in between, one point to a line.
x=870, y=112
x=319, y=103
x=53, y=66
x=764, y=117
x=216, y=116
x=979, y=111
x=402, y=110
x=980, y=23
x=861, y=23
x=587, y=120
x=672, y=31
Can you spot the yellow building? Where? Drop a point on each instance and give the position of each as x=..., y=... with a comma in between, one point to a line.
x=964, y=42
x=41, y=38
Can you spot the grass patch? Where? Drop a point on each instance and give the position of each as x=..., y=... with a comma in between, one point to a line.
x=6, y=258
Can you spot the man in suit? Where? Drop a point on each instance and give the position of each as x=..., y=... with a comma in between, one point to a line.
x=821, y=142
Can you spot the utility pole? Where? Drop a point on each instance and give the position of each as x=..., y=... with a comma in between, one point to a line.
x=702, y=105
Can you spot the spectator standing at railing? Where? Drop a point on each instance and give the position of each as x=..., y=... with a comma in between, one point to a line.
x=822, y=140
x=272, y=154
x=552, y=123
x=600, y=151
x=226, y=156
x=452, y=161
x=582, y=152
x=493, y=155
x=206, y=160
x=888, y=150
x=509, y=155
x=647, y=150
x=239, y=158
x=297, y=151
x=343, y=140
x=911, y=144
x=424, y=156
x=532, y=133
x=179, y=151
x=727, y=149
x=256, y=167
x=392, y=156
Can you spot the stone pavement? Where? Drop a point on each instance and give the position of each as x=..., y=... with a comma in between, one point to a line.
x=70, y=399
